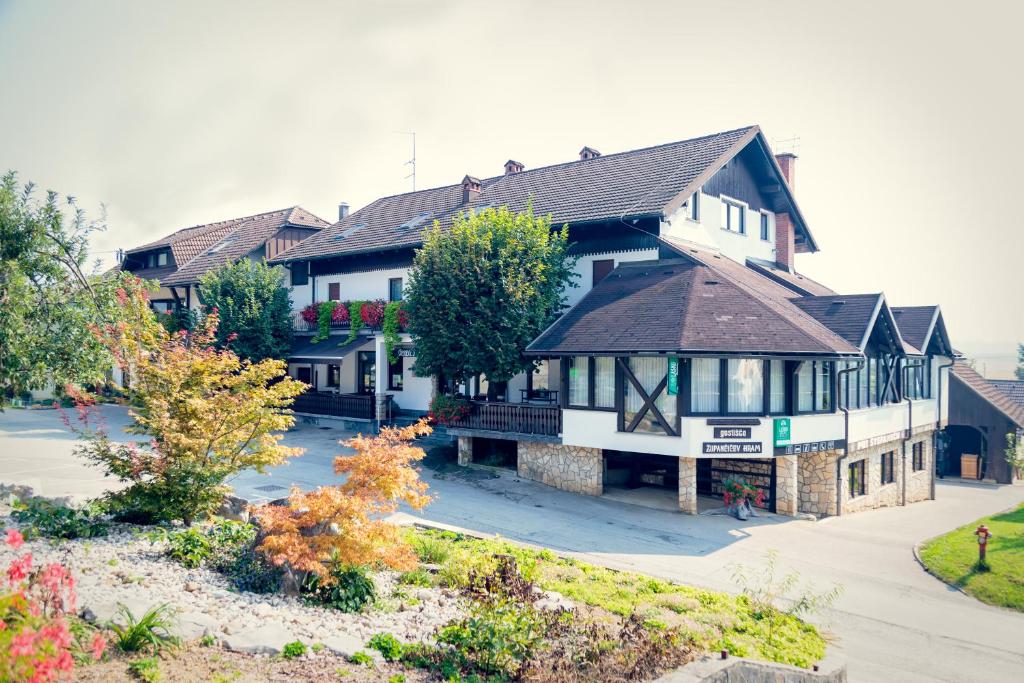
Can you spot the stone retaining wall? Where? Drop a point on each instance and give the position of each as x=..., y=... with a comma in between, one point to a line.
x=577, y=469
x=688, y=485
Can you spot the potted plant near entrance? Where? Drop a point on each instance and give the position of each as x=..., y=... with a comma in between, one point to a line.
x=740, y=498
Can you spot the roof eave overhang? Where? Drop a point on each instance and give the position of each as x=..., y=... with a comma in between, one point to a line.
x=795, y=355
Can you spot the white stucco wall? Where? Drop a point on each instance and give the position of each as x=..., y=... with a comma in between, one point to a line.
x=359, y=286
x=584, y=269
x=709, y=231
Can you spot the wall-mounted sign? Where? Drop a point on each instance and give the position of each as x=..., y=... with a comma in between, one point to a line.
x=406, y=352
x=782, y=431
x=732, y=448
x=673, y=376
x=732, y=432
x=811, y=447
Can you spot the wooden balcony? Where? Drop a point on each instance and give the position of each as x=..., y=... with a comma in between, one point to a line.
x=512, y=418
x=355, y=406
x=299, y=324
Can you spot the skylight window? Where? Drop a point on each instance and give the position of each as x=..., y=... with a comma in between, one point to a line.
x=420, y=219
x=348, y=232
x=217, y=247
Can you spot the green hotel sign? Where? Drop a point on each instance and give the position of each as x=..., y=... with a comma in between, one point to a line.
x=783, y=435
x=673, y=376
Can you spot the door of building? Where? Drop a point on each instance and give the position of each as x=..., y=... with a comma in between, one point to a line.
x=367, y=372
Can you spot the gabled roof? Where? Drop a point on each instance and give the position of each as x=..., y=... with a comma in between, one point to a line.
x=1014, y=388
x=988, y=392
x=800, y=284
x=682, y=306
x=203, y=247
x=652, y=181
x=923, y=327
x=851, y=316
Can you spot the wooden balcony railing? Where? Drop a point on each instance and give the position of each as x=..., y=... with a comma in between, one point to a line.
x=519, y=418
x=357, y=406
x=299, y=324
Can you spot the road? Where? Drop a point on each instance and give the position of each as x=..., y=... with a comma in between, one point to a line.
x=893, y=621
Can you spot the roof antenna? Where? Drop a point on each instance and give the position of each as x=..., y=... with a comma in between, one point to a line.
x=784, y=145
x=411, y=162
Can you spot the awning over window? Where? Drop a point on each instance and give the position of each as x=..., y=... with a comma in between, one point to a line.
x=326, y=351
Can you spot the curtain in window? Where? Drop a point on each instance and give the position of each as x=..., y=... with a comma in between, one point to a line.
x=649, y=372
x=704, y=381
x=778, y=386
x=604, y=382
x=746, y=385
x=579, y=381
x=540, y=376
x=823, y=401
x=805, y=380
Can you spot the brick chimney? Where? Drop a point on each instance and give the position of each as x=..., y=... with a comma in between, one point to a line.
x=512, y=166
x=589, y=153
x=342, y=211
x=785, y=245
x=470, y=189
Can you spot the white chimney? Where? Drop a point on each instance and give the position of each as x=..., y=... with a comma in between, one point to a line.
x=342, y=211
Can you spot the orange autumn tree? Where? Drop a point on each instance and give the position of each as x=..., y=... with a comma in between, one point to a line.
x=344, y=523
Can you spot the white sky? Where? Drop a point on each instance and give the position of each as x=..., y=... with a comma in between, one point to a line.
x=178, y=113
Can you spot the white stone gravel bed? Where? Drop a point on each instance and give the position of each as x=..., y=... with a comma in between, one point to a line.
x=124, y=567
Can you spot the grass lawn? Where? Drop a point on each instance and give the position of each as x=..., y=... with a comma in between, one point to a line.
x=710, y=621
x=953, y=557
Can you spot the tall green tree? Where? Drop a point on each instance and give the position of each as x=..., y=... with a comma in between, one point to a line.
x=49, y=302
x=254, y=309
x=482, y=290
x=1020, y=361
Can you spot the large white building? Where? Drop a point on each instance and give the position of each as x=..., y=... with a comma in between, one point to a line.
x=692, y=350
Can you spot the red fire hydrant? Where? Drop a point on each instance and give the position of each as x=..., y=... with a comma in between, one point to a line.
x=983, y=535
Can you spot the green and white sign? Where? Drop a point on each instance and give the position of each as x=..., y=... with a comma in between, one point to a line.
x=673, y=376
x=783, y=435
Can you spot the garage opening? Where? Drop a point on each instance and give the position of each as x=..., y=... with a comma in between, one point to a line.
x=642, y=479
x=495, y=452
x=712, y=474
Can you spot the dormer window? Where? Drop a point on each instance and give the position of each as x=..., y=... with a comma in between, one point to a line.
x=734, y=216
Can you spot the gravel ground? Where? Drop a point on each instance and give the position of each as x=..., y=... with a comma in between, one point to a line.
x=124, y=567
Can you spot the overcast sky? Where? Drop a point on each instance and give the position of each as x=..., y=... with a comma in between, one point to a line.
x=179, y=113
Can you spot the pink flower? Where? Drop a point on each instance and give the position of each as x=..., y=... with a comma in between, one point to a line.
x=23, y=644
x=14, y=539
x=232, y=337
x=19, y=568
x=99, y=644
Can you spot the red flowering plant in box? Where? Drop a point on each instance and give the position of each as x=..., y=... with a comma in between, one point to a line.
x=372, y=313
x=737, y=491
x=310, y=313
x=446, y=410
x=340, y=315
x=36, y=643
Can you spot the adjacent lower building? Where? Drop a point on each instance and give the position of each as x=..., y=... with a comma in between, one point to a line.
x=982, y=414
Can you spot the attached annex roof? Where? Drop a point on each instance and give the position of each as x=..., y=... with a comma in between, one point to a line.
x=643, y=182
x=1014, y=388
x=800, y=284
x=681, y=306
x=923, y=327
x=854, y=318
x=988, y=392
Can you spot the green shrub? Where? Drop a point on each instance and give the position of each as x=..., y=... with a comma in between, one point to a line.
x=431, y=548
x=152, y=632
x=361, y=658
x=43, y=518
x=294, y=649
x=207, y=641
x=147, y=670
x=347, y=589
x=417, y=577
x=496, y=638
x=251, y=572
x=218, y=545
x=386, y=644
x=397, y=678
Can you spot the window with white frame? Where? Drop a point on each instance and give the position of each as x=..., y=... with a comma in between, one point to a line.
x=705, y=389
x=734, y=216
x=766, y=228
x=604, y=382
x=579, y=381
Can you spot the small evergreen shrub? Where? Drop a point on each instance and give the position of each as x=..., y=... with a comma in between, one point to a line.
x=43, y=518
x=346, y=589
x=293, y=650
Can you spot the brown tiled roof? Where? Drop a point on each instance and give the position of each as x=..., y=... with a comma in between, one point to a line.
x=989, y=392
x=800, y=284
x=851, y=316
x=190, y=246
x=246, y=235
x=773, y=294
x=682, y=305
x=1014, y=388
x=919, y=325
x=635, y=183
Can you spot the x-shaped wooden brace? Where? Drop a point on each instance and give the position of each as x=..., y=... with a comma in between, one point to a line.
x=890, y=370
x=648, y=399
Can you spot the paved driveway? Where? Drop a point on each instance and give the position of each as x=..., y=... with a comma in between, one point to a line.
x=893, y=621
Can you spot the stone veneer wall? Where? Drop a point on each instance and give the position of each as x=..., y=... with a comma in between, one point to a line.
x=465, y=450
x=688, y=485
x=786, y=485
x=571, y=468
x=817, y=473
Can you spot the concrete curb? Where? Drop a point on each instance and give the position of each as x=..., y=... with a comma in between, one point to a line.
x=917, y=556
x=832, y=669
